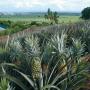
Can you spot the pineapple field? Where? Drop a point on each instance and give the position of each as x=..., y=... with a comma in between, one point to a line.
x=56, y=57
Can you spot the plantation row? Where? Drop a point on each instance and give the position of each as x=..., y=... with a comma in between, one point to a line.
x=57, y=59
x=71, y=27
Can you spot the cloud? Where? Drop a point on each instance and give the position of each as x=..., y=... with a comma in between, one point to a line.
x=28, y=3
x=86, y=3
x=35, y=5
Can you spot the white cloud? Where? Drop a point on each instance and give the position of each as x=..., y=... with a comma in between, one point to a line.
x=22, y=5
x=27, y=3
x=86, y=3
x=62, y=5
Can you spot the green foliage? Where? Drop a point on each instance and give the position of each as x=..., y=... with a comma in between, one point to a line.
x=86, y=13
x=52, y=16
x=4, y=84
x=7, y=23
x=15, y=27
x=58, y=66
x=51, y=60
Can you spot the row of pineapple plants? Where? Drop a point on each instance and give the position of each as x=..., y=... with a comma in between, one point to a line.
x=85, y=25
x=48, y=61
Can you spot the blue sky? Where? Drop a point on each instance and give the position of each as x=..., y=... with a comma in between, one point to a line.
x=43, y=5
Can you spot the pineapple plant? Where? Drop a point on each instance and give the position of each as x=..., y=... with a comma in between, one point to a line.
x=33, y=50
x=55, y=56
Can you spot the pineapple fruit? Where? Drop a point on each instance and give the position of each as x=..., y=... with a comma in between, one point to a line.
x=36, y=68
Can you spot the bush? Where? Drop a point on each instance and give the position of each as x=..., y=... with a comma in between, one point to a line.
x=86, y=13
x=6, y=23
x=35, y=23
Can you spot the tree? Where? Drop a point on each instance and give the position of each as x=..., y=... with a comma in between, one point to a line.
x=86, y=13
x=51, y=16
x=56, y=17
x=45, y=16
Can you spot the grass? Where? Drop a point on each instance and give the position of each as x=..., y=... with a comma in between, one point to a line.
x=18, y=23
x=62, y=19
x=68, y=19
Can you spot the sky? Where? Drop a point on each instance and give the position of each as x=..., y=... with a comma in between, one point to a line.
x=43, y=5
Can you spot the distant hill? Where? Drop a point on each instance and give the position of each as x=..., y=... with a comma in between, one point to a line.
x=37, y=14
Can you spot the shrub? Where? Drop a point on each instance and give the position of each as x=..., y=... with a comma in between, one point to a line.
x=86, y=13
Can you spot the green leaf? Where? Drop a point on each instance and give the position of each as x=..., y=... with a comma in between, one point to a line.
x=15, y=80
x=27, y=78
x=50, y=86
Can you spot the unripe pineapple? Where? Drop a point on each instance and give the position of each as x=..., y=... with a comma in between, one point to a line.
x=74, y=68
x=36, y=68
x=62, y=68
